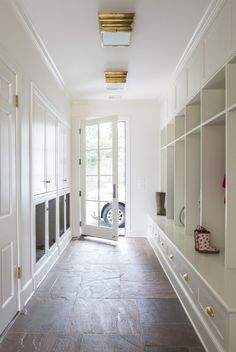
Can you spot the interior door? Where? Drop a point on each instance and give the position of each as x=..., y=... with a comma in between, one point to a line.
x=8, y=202
x=99, y=165
x=51, y=129
x=38, y=147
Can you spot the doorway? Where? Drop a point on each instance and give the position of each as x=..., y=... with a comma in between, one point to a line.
x=103, y=177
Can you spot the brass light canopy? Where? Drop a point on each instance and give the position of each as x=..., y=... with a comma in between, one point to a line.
x=116, y=28
x=116, y=80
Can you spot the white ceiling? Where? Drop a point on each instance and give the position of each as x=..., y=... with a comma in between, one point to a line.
x=162, y=30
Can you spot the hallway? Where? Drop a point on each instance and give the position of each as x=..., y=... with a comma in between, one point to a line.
x=104, y=298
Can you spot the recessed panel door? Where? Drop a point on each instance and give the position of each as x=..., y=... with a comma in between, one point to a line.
x=8, y=201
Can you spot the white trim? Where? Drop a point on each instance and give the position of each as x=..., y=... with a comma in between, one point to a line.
x=211, y=13
x=37, y=41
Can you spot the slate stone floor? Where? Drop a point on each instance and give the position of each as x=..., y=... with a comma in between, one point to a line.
x=104, y=298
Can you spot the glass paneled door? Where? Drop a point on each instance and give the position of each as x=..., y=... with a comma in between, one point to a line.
x=99, y=165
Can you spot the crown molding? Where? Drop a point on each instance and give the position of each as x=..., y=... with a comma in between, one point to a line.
x=38, y=42
x=211, y=13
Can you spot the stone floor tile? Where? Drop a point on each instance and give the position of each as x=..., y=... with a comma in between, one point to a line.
x=40, y=343
x=161, y=311
x=111, y=343
x=106, y=316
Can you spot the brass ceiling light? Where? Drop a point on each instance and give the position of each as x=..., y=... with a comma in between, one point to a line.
x=116, y=28
x=115, y=80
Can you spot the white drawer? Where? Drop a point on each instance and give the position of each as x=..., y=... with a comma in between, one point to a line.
x=213, y=313
x=173, y=258
x=163, y=244
x=189, y=279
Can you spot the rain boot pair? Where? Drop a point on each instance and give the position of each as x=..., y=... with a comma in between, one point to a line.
x=202, y=241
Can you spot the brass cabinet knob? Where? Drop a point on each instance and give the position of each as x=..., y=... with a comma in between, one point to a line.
x=171, y=256
x=186, y=277
x=210, y=311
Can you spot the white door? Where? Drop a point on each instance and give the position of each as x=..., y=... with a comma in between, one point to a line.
x=99, y=165
x=61, y=156
x=8, y=202
x=67, y=153
x=38, y=147
x=51, y=131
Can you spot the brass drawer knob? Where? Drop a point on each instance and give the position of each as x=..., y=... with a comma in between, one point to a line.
x=171, y=256
x=210, y=311
x=186, y=277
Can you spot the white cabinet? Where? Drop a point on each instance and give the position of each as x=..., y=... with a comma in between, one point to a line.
x=233, y=25
x=51, y=129
x=200, y=289
x=38, y=147
x=216, y=44
x=194, y=72
x=181, y=90
x=64, y=157
x=44, y=125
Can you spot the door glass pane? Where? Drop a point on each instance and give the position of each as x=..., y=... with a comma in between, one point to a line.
x=52, y=221
x=40, y=230
x=92, y=213
x=91, y=163
x=105, y=135
x=91, y=137
x=106, y=188
x=92, y=187
x=61, y=216
x=106, y=162
x=68, y=211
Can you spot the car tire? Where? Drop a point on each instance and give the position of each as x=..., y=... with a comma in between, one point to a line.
x=108, y=214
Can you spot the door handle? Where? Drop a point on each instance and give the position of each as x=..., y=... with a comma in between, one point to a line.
x=114, y=191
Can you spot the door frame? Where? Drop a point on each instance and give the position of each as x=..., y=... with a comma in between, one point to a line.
x=76, y=173
x=13, y=66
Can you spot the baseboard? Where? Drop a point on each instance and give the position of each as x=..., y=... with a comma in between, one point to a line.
x=26, y=293
x=64, y=241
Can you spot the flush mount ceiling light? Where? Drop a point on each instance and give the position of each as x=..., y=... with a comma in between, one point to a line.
x=116, y=80
x=116, y=28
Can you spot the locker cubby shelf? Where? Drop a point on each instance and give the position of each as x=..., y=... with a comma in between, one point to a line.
x=213, y=96
x=231, y=83
x=179, y=180
x=163, y=137
x=200, y=156
x=180, y=125
x=193, y=114
x=170, y=132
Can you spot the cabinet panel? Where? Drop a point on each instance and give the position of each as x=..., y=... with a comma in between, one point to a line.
x=194, y=72
x=216, y=43
x=51, y=126
x=40, y=230
x=38, y=147
x=61, y=157
x=181, y=90
x=233, y=25
x=67, y=158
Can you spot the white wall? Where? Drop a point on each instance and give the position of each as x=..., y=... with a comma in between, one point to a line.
x=17, y=47
x=143, y=120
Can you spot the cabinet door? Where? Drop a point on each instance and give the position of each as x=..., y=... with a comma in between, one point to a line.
x=233, y=25
x=51, y=125
x=67, y=157
x=61, y=156
x=38, y=147
x=216, y=43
